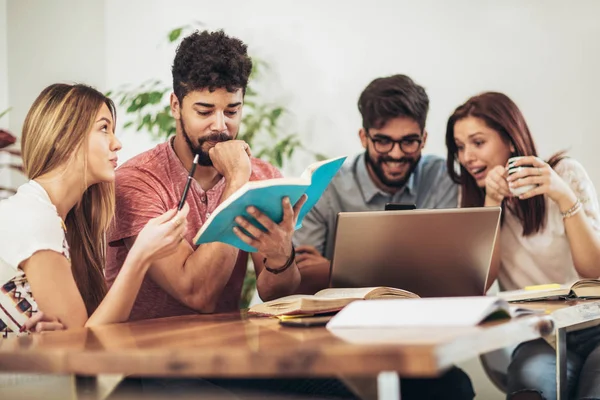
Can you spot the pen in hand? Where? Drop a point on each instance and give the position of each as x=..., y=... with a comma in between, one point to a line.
x=187, y=184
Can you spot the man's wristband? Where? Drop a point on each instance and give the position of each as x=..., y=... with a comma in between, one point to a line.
x=287, y=264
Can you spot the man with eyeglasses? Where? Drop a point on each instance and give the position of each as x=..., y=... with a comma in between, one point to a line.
x=390, y=170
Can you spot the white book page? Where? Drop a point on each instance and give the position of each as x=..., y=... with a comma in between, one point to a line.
x=521, y=294
x=288, y=299
x=344, y=293
x=585, y=282
x=518, y=311
x=448, y=311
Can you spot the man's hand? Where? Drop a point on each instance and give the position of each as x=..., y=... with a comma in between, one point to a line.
x=232, y=160
x=275, y=241
x=309, y=255
x=314, y=269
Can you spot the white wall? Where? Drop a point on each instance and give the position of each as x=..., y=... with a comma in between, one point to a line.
x=3, y=65
x=52, y=41
x=4, y=121
x=543, y=53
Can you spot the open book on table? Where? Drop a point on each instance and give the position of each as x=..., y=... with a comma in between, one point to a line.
x=326, y=300
x=440, y=311
x=267, y=195
x=582, y=289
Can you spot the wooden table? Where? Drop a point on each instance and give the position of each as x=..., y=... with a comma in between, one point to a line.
x=233, y=345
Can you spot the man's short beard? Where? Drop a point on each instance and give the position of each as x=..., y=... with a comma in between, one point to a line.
x=203, y=156
x=376, y=166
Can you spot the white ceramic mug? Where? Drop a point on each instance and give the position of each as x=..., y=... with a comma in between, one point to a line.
x=511, y=170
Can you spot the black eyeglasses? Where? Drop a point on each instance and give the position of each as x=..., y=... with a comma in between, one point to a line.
x=408, y=145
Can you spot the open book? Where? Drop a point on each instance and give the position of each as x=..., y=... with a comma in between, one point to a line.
x=433, y=311
x=584, y=288
x=267, y=195
x=326, y=300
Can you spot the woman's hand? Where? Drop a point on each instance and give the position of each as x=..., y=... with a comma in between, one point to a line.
x=538, y=172
x=496, y=186
x=161, y=235
x=41, y=322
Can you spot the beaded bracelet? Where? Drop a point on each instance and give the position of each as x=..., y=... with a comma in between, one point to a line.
x=573, y=210
x=288, y=263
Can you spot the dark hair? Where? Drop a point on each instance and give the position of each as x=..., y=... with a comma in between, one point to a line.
x=210, y=60
x=501, y=114
x=392, y=97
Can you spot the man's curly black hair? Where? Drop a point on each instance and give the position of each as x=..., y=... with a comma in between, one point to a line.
x=210, y=60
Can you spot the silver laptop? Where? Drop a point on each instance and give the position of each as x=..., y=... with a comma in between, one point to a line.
x=433, y=253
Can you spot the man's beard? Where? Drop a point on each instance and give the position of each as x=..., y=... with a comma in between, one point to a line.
x=377, y=167
x=203, y=156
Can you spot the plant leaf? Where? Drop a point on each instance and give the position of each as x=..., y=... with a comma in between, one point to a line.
x=3, y=113
x=174, y=34
x=276, y=113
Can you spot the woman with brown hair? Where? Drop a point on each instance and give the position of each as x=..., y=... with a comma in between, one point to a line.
x=550, y=229
x=52, y=231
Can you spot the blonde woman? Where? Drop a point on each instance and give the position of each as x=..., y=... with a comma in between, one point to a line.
x=52, y=231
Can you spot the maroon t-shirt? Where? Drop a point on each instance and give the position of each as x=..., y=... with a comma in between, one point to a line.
x=147, y=186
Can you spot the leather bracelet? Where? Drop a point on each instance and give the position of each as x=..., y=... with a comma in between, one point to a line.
x=287, y=264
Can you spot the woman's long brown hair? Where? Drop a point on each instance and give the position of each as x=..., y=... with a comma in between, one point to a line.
x=56, y=126
x=501, y=114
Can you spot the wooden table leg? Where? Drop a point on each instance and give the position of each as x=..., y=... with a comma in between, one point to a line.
x=561, y=364
x=86, y=387
x=388, y=385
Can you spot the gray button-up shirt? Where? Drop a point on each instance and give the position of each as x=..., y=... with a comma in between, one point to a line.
x=352, y=189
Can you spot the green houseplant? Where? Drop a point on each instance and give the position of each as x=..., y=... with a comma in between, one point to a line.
x=147, y=109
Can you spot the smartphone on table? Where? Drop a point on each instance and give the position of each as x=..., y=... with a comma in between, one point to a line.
x=305, y=322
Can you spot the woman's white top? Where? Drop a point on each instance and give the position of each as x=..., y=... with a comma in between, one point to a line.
x=545, y=257
x=29, y=223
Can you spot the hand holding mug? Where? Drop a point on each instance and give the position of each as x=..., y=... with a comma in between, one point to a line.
x=532, y=176
x=496, y=186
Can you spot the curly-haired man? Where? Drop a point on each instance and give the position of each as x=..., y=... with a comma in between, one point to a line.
x=210, y=75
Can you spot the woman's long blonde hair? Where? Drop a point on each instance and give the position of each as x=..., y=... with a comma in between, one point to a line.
x=57, y=125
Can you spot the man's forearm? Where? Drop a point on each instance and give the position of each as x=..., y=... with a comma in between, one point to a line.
x=314, y=277
x=209, y=269
x=272, y=286
x=211, y=266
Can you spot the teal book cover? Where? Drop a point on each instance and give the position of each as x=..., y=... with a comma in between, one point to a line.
x=267, y=196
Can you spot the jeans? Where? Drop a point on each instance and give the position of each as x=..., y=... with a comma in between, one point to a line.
x=533, y=367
